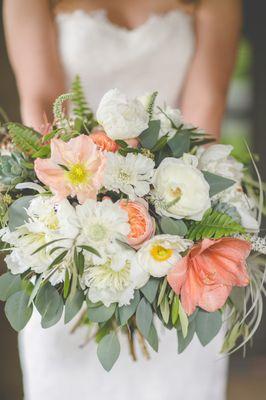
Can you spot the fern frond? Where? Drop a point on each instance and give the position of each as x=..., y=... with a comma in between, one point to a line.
x=26, y=139
x=151, y=103
x=81, y=108
x=215, y=225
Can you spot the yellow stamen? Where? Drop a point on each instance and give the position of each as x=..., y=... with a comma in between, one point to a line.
x=159, y=253
x=78, y=174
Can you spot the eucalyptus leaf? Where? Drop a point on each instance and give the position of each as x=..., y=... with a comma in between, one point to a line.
x=153, y=339
x=149, y=137
x=144, y=317
x=73, y=306
x=183, y=342
x=9, y=284
x=180, y=143
x=108, y=351
x=208, y=324
x=50, y=305
x=217, y=183
x=165, y=309
x=126, y=312
x=17, y=214
x=150, y=289
x=17, y=310
x=173, y=227
x=183, y=320
x=102, y=313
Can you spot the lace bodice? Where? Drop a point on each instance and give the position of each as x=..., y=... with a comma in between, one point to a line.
x=154, y=56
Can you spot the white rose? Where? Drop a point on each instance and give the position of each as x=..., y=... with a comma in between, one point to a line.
x=159, y=254
x=217, y=160
x=120, y=117
x=180, y=189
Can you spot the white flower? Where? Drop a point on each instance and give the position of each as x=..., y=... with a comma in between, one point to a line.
x=235, y=197
x=217, y=160
x=131, y=174
x=116, y=279
x=161, y=253
x=101, y=225
x=180, y=189
x=120, y=117
x=169, y=116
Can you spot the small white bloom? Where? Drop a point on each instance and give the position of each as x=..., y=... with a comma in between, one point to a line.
x=131, y=174
x=120, y=117
x=116, y=279
x=159, y=254
x=217, y=160
x=180, y=189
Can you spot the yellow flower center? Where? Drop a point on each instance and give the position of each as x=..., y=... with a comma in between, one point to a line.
x=160, y=253
x=78, y=174
x=176, y=193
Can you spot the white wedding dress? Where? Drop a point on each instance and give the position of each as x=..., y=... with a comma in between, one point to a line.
x=155, y=56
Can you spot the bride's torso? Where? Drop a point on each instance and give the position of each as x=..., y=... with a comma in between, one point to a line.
x=153, y=56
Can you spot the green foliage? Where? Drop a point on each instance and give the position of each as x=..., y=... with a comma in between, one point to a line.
x=81, y=108
x=59, y=115
x=17, y=214
x=50, y=305
x=108, y=351
x=208, y=324
x=17, y=310
x=73, y=306
x=150, y=289
x=180, y=143
x=127, y=311
x=101, y=313
x=13, y=170
x=9, y=284
x=149, y=137
x=144, y=317
x=173, y=227
x=153, y=339
x=151, y=103
x=183, y=342
x=26, y=139
x=217, y=183
x=214, y=225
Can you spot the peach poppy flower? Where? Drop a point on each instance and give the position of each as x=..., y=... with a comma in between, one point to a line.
x=103, y=141
x=206, y=276
x=141, y=223
x=74, y=169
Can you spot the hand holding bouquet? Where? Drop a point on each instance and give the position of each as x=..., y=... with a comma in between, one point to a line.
x=124, y=218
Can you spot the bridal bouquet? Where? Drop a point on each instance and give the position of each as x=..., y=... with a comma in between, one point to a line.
x=125, y=218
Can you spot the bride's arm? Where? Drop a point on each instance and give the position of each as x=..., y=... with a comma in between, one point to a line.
x=31, y=42
x=218, y=24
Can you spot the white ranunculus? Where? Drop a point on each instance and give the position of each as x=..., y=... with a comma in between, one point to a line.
x=217, y=160
x=121, y=118
x=131, y=174
x=159, y=254
x=180, y=189
x=115, y=280
x=235, y=197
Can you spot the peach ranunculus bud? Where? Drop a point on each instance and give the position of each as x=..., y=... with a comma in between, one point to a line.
x=207, y=274
x=75, y=168
x=142, y=226
x=103, y=141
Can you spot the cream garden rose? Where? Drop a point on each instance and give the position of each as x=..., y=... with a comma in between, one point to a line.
x=122, y=118
x=180, y=189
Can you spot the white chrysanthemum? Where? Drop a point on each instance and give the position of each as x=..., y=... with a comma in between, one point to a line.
x=235, y=197
x=217, y=160
x=101, y=225
x=115, y=280
x=120, y=117
x=180, y=189
x=158, y=255
x=131, y=174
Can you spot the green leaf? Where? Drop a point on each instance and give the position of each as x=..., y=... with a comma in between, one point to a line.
x=144, y=317
x=183, y=342
x=165, y=309
x=207, y=325
x=217, y=183
x=183, y=320
x=17, y=214
x=173, y=227
x=126, y=312
x=9, y=284
x=79, y=261
x=162, y=291
x=90, y=250
x=25, y=138
x=50, y=305
x=35, y=289
x=66, y=284
x=180, y=144
x=214, y=225
x=46, y=245
x=102, y=313
x=17, y=310
x=175, y=310
x=160, y=144
x=153, y=339
x=237, y=296
x=73, y=306
x=44, y=152
x=108, y=351
x=58, y=259
x=150, y=289
x=81, y=108
x=121, y=143
x=149, y=137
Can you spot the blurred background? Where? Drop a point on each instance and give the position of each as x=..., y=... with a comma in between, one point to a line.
x=245, y=119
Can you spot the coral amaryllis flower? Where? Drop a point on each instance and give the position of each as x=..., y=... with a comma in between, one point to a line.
x=74, y=169
x=206, y=276
x=142, y=225
x=103, y=141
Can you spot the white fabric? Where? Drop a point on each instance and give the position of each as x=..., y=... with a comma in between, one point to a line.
x=152, y=57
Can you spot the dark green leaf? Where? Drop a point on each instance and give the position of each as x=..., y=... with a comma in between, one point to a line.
x=102, y=313
x=108, y=351
x=9, y=284
x=152, y=338
x=180, y=144
x=160, y=144
x=184, y=342
x=66, y=284
x=217, y=183
x=58, y=259
x=144, y=317
x=50, y=305
x=47, y=244
x=207, y=325
x=150, y=289
x=149, y=137
x=17, y=310
x=79, y=261
x=17, y=214
x=90, y=250
x=126, y=312
x=173, y=227
x=73, y=306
